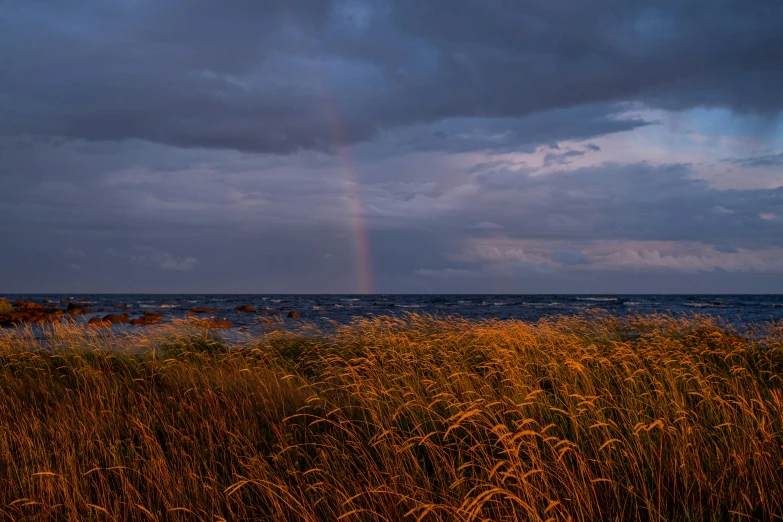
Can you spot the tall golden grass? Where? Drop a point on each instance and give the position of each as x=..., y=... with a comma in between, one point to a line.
x=411, y=418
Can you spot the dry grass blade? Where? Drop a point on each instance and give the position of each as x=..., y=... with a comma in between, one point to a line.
x=395, y=418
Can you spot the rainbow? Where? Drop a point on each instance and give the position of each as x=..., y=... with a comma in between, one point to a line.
x=353, y=193
x=347, y=166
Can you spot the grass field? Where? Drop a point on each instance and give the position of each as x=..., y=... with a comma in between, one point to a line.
x=416, y=418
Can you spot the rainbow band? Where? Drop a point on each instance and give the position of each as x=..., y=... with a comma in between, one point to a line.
x=353, y=192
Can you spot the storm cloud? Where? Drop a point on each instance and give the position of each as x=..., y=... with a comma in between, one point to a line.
x=274, y=76
x=475, y=146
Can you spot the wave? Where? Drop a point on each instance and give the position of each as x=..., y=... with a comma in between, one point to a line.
x=597, y=298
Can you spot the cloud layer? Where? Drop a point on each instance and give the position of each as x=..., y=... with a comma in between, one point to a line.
x=279, y=77
x=474, y=146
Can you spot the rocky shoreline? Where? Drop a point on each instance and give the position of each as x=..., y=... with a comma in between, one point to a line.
x=21, y=312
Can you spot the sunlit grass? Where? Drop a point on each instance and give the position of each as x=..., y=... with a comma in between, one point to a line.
x=412, y=418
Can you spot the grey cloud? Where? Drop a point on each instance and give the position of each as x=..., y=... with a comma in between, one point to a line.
x=446, y=273
x=568, y=256
x=507, y=134
x=636, y=201
x=767, y=160
x=487, y=225
x=149, y=123
x=561, y=158
x=74, y=253
x=281, y=77
x=255, y=224
x=150, y=256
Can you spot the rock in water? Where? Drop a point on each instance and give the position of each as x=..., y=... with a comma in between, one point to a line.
x=28, y=306
x=117, y=318
x=204, y=310
x=213, y=323
x=75, y=309
x=293, y=315
x=147, y=319
x=97, y=322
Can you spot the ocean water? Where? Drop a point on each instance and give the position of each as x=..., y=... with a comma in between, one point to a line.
x=739, y=310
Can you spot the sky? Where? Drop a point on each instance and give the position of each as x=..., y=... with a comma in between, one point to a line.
x=446, y=146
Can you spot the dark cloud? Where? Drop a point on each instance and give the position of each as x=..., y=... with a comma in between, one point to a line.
x=766, y=160
x=633, y=202
x=150, y=218
x=157, y=146
x=505, y=134
x=561, y=158
x=309, y=74
x=570, y=257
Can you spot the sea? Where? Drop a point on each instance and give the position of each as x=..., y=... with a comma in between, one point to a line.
x=737, y=310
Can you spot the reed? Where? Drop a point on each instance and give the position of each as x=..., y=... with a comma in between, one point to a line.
x=407, y=418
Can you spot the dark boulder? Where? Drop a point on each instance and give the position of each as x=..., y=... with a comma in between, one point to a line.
x=97, y=322
x=146, y=319
x=28, y=306
x=14, y=318
x=75, y=309
x=117, y=318
x=204, y=310
x=245, y=308
x=213, y=323
x=46, y=318
x=18, y=317
x=293, y=315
